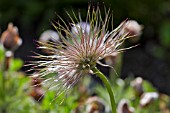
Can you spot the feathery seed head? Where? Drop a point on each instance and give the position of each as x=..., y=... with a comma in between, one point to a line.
x=81, y=48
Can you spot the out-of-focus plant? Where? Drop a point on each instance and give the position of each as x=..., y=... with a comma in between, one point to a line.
x=14, y=85
x=139, y=97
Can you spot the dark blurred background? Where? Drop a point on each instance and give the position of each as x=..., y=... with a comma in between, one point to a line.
x=150, y=60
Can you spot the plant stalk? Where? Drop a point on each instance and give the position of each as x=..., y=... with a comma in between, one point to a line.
x=108, y=87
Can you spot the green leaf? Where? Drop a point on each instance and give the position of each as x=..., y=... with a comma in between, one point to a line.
x=1, y=53
x=148, y=87
x=16, y=64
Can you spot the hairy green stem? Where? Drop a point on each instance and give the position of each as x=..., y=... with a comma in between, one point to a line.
x=108, y=87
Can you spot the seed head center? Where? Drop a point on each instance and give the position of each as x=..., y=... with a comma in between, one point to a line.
x=86, y=63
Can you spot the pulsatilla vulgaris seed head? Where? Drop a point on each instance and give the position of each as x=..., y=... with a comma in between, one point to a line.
x=80, y=50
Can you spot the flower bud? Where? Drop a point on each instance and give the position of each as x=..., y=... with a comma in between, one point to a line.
x=47, y=37
x=133, y=28
x=37, y=92
x=137, y=85
x=95, y=105
x=10, y=38
x=81, y=27
x=147, y=98
x=123, y=107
